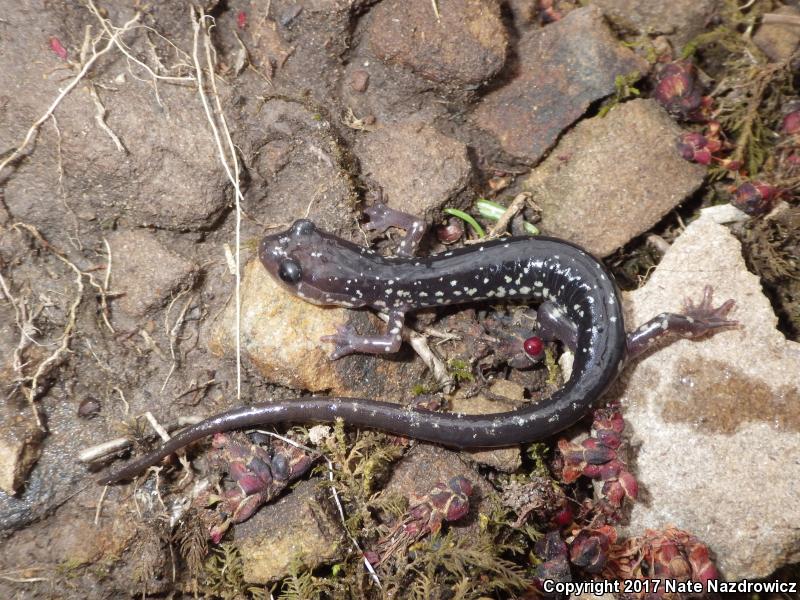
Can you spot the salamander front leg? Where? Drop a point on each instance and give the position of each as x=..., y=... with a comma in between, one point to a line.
x=381, y=218
x=695, y=321
x=347, y=341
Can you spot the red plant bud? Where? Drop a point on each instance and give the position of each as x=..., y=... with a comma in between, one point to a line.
x=58, y=48
x=695, y=147
x=678, y=90
x=563, y=517
x=754, y=198
x=791, y=123
x=730, y=164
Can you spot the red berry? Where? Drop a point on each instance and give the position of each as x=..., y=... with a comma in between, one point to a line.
x=534, y=346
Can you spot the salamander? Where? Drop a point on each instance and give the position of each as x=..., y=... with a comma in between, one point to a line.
x=579, y=305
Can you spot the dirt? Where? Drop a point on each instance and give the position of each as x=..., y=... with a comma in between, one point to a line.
x=118, y=228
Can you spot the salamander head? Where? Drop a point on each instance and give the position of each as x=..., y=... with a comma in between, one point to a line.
x=311, y=264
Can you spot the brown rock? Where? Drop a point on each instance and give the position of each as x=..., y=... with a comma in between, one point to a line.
x=359, y=79
x=302, y=526
x=679, y=20
x=779, y=40
x=502, y=459
x=564, y=67
x=425, y=466
x=20, y=440
x=418, y=168
x=716, y=429
x=467, y=45
x=145, y=273
x=281, y=333
x=613, y=177
x=297, y=167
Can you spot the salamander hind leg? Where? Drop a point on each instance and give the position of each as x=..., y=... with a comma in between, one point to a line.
x=381, y=218
x=347, y=341
x=697, y=320
x=554, y=324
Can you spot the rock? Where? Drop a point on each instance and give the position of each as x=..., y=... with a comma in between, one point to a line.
x=168, y=176
x=359, y=79
x=716, y=423
x=20, y=446
x=779, y=40
x=145, y=273
x=564, y=67
x=502, y=459
x=466, y=46
x=298, y=168
x=302, y=526
x=425, y=465
x=679, y=20
x=418, y=168
x=605, y=181
x=281, y=338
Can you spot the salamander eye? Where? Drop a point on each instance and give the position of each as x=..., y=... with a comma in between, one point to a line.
x=302, y=227
x=289, y=271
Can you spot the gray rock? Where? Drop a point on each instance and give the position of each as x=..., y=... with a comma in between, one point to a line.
x=418, y=168
x=779, y=40
x=716, y=423
x=302, y=526
x=679, y=20
x=564, y=67
x=467, y=45
x=145, y=273
x=612, y=178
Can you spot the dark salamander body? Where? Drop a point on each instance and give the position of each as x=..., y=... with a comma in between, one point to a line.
x=579, y=304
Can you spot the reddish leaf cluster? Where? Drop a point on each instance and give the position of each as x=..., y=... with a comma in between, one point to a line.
x=703, y=148
x=597, y=457
x=257, y=476
x=679, y=90
x=425, y=516
x=669, y=554
x=755, y=197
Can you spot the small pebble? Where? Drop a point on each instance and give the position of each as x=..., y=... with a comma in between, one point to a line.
x=89, y=408
x=359, y=79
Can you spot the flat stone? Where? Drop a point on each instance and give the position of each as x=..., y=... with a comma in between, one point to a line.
x=679, y=20
x=612, y=178
x=502, y=459
x=280, y=336
x=426, y=465
x=418, y=168
x=145, y=272
x=297, y=168
x=302, y=526
x=20, y=446
x=716, y=422
x=564, y=67
x=467, y=45
x=779, y=40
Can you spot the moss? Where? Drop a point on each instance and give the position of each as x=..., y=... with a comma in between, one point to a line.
x=624, y=89
x=460, y=370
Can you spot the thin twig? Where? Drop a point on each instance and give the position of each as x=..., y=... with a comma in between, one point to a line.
x=100, y=119
x=501, y=225
x=233, y=177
